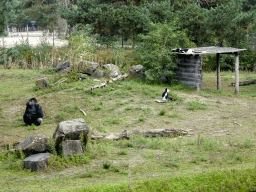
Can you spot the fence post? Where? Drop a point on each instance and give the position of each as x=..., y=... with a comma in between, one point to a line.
x=218, y=70
x=237, y=72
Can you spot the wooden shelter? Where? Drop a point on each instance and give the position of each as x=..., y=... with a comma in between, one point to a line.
x=220, y=50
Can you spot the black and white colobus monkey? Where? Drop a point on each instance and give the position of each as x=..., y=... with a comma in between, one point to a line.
x=33, y=113
x=165, y=94
x=179, y=50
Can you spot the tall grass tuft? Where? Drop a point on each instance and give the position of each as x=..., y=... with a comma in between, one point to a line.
x=195, y=105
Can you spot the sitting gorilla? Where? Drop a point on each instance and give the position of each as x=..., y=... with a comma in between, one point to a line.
x=33, y=113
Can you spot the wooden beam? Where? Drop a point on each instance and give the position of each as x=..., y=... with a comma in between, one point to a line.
x=218, y=70
x=237, y=73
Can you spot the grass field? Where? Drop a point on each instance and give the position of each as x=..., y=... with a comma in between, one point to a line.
x=220, y=155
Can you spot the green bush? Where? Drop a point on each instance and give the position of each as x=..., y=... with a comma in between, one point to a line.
x=155, y=50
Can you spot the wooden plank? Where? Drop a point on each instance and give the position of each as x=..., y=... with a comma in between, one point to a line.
x=189, y=79
x=189, y=68
x=196, y=75
x=191, y=83
x=218, y=70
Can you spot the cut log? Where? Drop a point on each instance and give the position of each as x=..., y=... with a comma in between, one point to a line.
x=146, y=133
x=248, y=82
x=99, y=86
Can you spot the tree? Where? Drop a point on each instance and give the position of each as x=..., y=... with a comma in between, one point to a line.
x=70, y=14
x=125, y=19
x=3, y=21
x=229, y=24
x=226, y=24
x=193, y=21
x=44, y=12
x=14, y=12
x=131, y=20
x=161, y=11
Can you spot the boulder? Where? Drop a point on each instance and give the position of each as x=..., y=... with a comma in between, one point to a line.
x=114, y=70
x=64, y=66
x=34, y=144
x=71, y=130
x=37, y=162
x=164, y=79
x=42, y=83
x=71, y=147
x=87, y=67
x=137, y=70
x=98, y=73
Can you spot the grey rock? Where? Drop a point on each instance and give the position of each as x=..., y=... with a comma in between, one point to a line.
x=87, y=67
x=114, y=70
x=71, y=147
x=42, y=83
x=71, y=130
x=34, y=144
x=64, y=66
x=37, y=162
x=98, y=73
x=164, y=79
x=137, y=70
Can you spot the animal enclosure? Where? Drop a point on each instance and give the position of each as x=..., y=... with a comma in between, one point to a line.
x=189, y=69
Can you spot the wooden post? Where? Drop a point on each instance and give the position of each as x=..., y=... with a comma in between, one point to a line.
x=237, y=72
x=218, y=70
x=53, y=38
x=27, y=33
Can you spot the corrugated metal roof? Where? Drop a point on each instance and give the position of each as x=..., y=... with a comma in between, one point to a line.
x=214, y=49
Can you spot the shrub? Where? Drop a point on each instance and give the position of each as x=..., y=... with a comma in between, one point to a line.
x=155, y=50
x=162, y=112
x=106, y=164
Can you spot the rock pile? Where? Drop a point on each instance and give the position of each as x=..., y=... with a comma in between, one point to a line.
x=95, y=70
x=69, y=138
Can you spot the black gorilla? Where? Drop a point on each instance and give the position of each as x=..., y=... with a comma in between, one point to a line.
x=33, y=113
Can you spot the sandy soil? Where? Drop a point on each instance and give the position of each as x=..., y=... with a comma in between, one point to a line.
x=34, y=38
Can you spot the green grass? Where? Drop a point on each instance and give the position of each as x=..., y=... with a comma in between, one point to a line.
x=195, y=105
x=232, y=180
x=203, y=161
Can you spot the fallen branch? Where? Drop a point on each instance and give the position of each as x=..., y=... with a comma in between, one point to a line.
x=248, y=82
x=118, y=78
x=99, y=86
x=111, y=80
x=237, y=123
x=59, y=82
x=221, y=131
x=83, y=112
